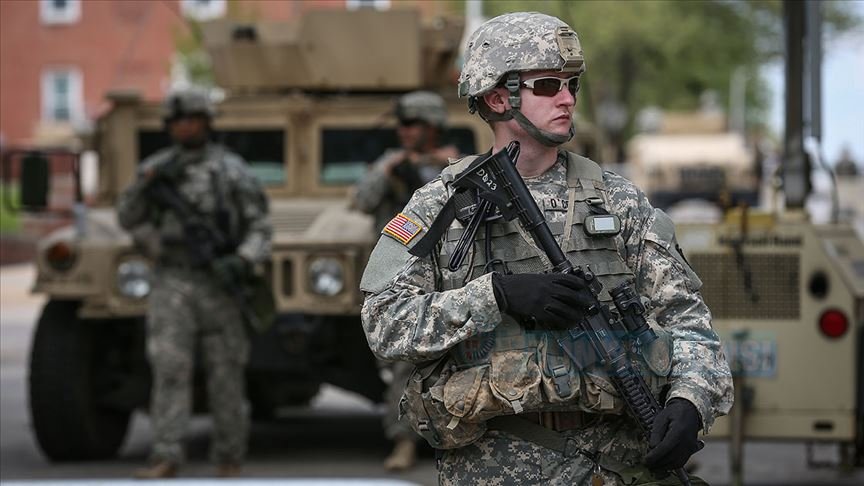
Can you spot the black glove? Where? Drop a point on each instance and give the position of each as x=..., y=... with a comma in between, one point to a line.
x=170, y=171
x=556, y=300
x=231, y=270
x=674, y=436
x=409, y=174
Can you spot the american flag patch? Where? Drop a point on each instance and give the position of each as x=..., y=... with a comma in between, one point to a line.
x=402, y=228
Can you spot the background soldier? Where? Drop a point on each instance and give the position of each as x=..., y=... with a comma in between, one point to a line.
x=386, y=188
x=492, y=386
x=202, y=217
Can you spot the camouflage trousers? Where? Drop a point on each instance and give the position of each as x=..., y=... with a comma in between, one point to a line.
x=188, y=314
x=607, y=453
x=394, y=428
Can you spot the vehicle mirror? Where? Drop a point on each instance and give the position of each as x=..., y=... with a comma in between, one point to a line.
x=35, y=180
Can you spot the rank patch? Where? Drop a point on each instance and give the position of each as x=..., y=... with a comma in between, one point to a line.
x=402, y=228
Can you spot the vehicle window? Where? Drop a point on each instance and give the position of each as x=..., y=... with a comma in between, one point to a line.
x=263, y=150
x=347, y=152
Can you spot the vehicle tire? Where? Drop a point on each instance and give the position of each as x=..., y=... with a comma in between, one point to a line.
x=68, y=420
x=268, y=392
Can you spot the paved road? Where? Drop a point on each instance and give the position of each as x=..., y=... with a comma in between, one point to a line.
x=339, y=437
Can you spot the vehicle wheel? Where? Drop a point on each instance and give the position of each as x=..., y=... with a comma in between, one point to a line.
x=69, y=421
x=268, y=392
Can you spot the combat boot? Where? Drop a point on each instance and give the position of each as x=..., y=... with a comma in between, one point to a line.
x=403, y=457
x=157, y=470
x=228, y=470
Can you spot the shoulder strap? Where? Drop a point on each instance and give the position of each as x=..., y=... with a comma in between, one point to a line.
x=456, y=167
x=455, y=206
x=579, y=167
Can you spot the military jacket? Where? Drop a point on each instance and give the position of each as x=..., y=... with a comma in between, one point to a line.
x=383, y=196
x=417, y=310
x=212, y=177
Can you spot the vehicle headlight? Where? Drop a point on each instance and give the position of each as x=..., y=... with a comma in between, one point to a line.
x=133, y=279
x=61, y=256
x=326, y=276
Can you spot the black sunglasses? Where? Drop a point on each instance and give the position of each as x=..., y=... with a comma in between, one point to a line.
x=550, y=86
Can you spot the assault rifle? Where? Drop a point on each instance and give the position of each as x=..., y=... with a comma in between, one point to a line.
x=598, y=338
x=205, y=242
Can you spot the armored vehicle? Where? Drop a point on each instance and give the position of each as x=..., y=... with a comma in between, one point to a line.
x=787, y=293
x=692, y=156
x=308, y=110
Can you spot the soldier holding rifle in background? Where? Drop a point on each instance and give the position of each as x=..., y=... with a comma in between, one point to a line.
x=383, y=191
x=507, y=387
x=202, y=217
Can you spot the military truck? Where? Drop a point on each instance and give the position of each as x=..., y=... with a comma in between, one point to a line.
x=787, y=294
x=308, y=110
x=693, y=156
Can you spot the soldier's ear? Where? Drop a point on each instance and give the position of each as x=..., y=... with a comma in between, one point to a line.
x=496, y=100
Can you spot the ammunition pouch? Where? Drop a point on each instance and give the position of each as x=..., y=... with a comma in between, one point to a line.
x=449, y=406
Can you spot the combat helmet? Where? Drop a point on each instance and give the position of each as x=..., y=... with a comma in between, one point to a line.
x=506, y=45
x=187, y=102
x=425, y=106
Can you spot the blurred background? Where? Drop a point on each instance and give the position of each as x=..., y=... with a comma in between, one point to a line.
x=742, y=119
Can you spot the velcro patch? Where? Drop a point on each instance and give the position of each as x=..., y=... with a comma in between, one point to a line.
x=402, y=228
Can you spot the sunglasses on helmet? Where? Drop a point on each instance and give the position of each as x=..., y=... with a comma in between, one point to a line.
x=550, y=86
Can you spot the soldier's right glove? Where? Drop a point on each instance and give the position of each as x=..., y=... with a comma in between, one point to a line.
x=555, y=300
x=170, y=171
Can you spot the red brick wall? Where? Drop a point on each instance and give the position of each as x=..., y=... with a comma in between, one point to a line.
x=113, y=44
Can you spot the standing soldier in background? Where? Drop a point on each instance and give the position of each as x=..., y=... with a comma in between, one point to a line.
x=386, y=188
x=190, y=189
x=493, y=390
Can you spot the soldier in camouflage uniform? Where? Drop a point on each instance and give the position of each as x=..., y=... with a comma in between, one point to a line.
x=493, y=393
x=190, y=307
x=383, y=191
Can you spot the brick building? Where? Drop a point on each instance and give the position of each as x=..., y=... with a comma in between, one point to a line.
x=58, y=58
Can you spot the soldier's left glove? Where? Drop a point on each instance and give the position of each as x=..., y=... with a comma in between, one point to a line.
x=674, y=436
x=231, y=270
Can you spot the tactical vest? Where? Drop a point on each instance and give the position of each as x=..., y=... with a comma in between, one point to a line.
x=512, y=370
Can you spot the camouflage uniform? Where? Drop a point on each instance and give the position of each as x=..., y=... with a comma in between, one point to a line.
x=477, y=365
x=383, y=196
x=187, y=309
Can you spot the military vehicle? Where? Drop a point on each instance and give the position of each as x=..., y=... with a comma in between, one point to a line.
x=787, y=294
x=693, y=156
x=308, y=110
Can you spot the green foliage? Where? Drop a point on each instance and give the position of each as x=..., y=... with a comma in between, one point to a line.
x=8, y=220
x=189, y=43
x=667, y=53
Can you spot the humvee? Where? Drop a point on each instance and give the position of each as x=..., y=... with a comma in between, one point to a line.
x=787, y=293
x=693, y=157
x=308, y=110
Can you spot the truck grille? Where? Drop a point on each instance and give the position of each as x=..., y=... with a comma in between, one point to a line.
x=294, y=221
x=774, y=285
x=702, y=178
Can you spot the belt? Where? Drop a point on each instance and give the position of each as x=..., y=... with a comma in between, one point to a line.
x=540, y=432
x=557, y=421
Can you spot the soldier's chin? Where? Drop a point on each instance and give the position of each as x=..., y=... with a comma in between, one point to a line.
x=193, y=143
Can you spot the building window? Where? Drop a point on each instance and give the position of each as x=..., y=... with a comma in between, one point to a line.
x=62, y=96
x=202, y=10
x=54, y=12
x=376, y=4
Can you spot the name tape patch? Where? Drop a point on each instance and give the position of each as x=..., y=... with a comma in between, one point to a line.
x=403, y=228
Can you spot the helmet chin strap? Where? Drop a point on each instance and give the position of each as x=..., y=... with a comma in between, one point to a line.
x=548, y=139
